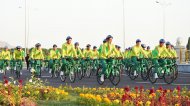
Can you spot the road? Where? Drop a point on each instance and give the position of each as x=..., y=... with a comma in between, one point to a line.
x=182, y=80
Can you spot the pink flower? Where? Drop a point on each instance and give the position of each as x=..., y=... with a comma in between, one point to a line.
x=160, y=88
x=136, y=88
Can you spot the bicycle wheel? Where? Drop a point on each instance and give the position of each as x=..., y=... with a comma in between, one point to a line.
x=62, y=76
x=56, y=72
x=152, y=75
x=72, y=75
x=133, y=73
x=127, y=69
x=88, y=71
x=115, y=74
x=144, y=73
x=169, y=76
x=79, y=73
x=99, y=73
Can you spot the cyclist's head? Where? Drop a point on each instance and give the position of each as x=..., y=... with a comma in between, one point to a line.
x=6, y=48
x=76, y=44
x=129, y=48
x=172, y=46
x=38, y=45
x=138, y=42
x=88, y=46
x=12, y=50
x=143, y=46
x=94, y=47
x=18, y=48
x=54, y=46
x=104, y=41
x=162, y=41
x=69, y=39
x=168, y=44
x=126, y=49
x=118, y=47
x=109, y=38
x=148, y=47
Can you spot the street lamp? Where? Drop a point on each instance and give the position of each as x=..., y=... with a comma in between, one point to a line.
x=164, y=4
x=124, y=24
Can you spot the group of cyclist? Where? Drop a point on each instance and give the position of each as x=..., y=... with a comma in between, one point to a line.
x=107, y=61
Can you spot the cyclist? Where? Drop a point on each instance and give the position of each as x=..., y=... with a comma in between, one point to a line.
x=1, y=61
x=95, y=53
x=119, y=54
x=18, y=56
x=37, y=56
x=78, y=50
x=149, y=52
x=68, y=51
x=6, y=57
x=55, y=55
x=158, y=55
x=12, y=62
x=88, y=52
x=101, y=46
x=108, y=50
x=136, y=51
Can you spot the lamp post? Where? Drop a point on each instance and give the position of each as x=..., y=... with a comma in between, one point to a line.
x=164, y=4
x=124, y=24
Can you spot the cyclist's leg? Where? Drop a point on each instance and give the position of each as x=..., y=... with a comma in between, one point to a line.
x=103, y=65
x=134, y=60
x=64, y=64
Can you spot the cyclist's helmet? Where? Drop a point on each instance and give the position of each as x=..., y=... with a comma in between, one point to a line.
x=68, y=37
x=138, y=40
x=76, y=43
x=104, y=41
x=54, y=45
x=88, y=45
x=94, y=47
x=168, y=43
x=18, y=47
x=38, y=45
x=109, y=36
x=148, y=47
x=6, y=47
x=129, y=48
x=12, y=50
x=143, y=45
x=118, y=47
x=162, y=41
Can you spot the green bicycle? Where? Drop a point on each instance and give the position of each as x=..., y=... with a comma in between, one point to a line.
x=112, y=73
x=18, y=68
x=68, y=70
x=140, y=69
x=56, y=68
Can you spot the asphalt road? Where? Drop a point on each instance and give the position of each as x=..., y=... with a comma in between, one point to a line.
x=183, y=80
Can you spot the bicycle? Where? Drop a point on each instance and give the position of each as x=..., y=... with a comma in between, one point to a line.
x=112, y=73
x=18, y=68
x=36, y=67
x=139, y=69
x=69, y=70
x=56, y=68
x=87, y=67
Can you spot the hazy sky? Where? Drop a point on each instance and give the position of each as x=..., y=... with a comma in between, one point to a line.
x=90, y=21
